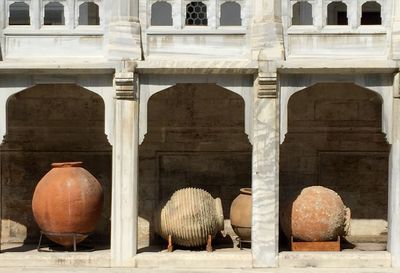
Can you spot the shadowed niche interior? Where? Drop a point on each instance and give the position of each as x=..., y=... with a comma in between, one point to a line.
x=46, y=124
x=335, y=140
x=195, y=138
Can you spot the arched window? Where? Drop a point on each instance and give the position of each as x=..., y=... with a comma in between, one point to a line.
x=89, y=14
x=337, y=14
x=161, y=14
x=196, y=14
x=19, y=14
x=302, y=14
x=54, y=14
x=371, y=13
x=230, y=14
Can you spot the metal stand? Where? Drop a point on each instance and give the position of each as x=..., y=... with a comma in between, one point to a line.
x=63, y=234
x=241, y=241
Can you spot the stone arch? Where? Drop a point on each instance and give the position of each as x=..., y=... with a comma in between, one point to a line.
x=384, y=92
x=237, y=85
x=45, y=123
x=106, y=93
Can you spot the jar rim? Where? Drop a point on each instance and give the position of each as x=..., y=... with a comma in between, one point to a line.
x=245, y=191
x=67, y=164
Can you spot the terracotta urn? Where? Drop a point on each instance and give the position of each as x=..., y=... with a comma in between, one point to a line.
x=317, y=214
x=189, y=216
x=240, y=214
x=68, y=199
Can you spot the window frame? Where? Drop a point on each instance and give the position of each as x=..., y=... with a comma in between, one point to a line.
x=213, y=17
x=99, y=3
x=7, y=14
x=43, y=12
x=293, y=3
x=320, y=26
x=71, y=15
x=383, y=18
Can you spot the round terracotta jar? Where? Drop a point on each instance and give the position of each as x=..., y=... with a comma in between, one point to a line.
x=240, y=214
x=68, y=199
x=317, y=214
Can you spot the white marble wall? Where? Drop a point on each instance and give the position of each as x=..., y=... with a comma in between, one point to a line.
x=343, y=41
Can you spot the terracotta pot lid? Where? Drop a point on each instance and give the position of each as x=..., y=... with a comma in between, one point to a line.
x=67, y=164
x=245, y=191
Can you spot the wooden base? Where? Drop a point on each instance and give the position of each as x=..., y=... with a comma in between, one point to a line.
x=315, y=246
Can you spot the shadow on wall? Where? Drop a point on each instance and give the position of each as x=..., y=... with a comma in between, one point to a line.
x=45, y=124
x=196, y=138
x=335, y=140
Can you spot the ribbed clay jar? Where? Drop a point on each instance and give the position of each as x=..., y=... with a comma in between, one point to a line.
x=317, y=214
x=240, y=214
x=189, y=216
x=68, y=199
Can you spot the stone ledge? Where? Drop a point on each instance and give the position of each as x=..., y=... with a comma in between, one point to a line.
x=343, y=259
x=337, y=66
x=239, y=66
x=199, y=260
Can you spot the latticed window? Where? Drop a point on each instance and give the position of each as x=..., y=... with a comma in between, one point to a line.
x=196, y=14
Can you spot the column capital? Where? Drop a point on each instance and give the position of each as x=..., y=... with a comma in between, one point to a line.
x=125, y=86
x=267, y=85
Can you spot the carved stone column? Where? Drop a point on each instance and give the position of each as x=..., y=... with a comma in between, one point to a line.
x=125, y=38
x=265, y=175
x=394, y=182
x=124, y=213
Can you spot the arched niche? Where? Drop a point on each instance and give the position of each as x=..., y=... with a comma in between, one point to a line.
x=335, y=140
x=195, y=138
x=102, y=87
x=150, y=85
x=380, y=84
x=51, y=123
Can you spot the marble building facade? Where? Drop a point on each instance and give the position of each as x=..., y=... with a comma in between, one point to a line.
x=291, y=93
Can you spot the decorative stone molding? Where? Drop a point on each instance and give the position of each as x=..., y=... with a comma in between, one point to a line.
x=267, y=86
x=125, y=85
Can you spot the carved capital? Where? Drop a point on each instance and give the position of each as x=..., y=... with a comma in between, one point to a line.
x=125, y=85
x=267, y=86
